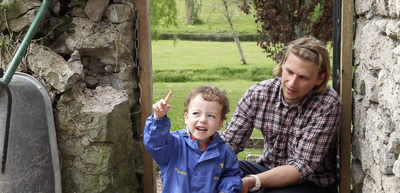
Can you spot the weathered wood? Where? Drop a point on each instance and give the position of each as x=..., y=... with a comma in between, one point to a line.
x=346, y=61
x=146, y=87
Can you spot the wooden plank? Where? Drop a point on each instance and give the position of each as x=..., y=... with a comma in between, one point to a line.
x=346, y=61
x=146, y=88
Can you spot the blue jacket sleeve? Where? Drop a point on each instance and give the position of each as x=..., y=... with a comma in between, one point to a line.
x=230, y=180
x=157, y=139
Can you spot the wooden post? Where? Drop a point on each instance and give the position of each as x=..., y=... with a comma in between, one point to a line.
x=146, y=87
x=346, y=63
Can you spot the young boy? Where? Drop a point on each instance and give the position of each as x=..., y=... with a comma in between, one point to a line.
x=195, y=159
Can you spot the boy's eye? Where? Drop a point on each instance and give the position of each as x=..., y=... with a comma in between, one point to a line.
x=211, y=116
x=195, y=113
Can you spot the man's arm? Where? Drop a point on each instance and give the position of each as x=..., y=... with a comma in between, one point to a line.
x=241, y=126
x=281, y=176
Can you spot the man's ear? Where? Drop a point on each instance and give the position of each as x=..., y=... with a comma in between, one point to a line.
x=320, y=79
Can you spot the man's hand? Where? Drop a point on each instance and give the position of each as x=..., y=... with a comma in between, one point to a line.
x=162, y=107
x=248, y=183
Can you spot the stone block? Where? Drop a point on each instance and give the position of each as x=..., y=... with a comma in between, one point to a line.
x=393, y=29
x=252, y=157
x=394, y=143
x=357, y=175
x=95, y=9
x=52, y=67
x=118, y=13
x=396, y=168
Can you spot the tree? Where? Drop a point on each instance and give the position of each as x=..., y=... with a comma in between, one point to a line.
x=229, y=16
x=163, y=13
x=193, y=8
x=281, y=21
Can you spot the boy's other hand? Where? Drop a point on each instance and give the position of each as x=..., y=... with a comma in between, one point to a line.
x=162, y=107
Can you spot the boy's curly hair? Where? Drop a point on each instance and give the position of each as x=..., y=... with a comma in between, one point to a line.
x=209, y=93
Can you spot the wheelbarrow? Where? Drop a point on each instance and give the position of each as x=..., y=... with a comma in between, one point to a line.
x=28, y=143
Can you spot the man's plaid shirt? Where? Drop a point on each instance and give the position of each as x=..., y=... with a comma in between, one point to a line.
x=299, y=135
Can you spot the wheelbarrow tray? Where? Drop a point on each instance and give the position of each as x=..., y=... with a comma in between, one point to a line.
x=32, y=158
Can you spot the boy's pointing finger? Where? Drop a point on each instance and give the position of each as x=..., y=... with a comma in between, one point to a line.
x=168, y=96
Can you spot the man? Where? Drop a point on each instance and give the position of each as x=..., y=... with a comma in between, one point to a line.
x=298, y=115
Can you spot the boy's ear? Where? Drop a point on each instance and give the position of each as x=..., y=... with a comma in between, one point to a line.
x=220, y=125
x=185, y=115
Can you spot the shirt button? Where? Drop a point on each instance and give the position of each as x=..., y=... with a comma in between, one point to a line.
x=195, y=173
x=281, y=139
x=284, y=126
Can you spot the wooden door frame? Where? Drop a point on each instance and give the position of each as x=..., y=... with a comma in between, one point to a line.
x=146, y=88
x=345, y=84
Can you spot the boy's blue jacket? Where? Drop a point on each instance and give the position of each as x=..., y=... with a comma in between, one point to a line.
x=184, y=168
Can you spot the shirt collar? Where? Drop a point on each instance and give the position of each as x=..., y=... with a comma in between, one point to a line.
x=209, y=141
x=301, y=106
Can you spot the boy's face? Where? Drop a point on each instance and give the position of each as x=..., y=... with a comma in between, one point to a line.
x=203, y=119
x=298, y=78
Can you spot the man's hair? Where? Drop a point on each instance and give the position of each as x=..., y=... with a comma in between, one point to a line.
x=312, y=50
x=209, y=93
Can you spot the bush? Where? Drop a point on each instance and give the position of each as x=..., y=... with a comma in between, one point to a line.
x=220, y=37
x=170, y=76
x=212, y=75
x=259, y=74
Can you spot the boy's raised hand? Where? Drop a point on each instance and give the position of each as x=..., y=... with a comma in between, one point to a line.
x=162, y=107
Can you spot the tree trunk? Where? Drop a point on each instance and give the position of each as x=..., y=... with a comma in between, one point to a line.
x=189, y=11
x=235, y=36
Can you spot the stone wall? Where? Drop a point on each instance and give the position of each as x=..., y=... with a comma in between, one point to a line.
x=376, y=99
x=85, y=55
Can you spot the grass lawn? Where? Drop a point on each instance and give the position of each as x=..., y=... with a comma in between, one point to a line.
x=205, y=55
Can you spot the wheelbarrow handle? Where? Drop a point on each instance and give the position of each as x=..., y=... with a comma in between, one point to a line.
x=25, y=42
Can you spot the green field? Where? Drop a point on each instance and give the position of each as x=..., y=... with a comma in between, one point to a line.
x=206, y=55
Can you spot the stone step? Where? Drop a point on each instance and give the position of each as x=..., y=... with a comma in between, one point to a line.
x=252, y=157
x=255, y=143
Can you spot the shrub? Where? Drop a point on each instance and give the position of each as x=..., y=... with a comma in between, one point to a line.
x=212, y=75
x=258, y=74
x=170, y=76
